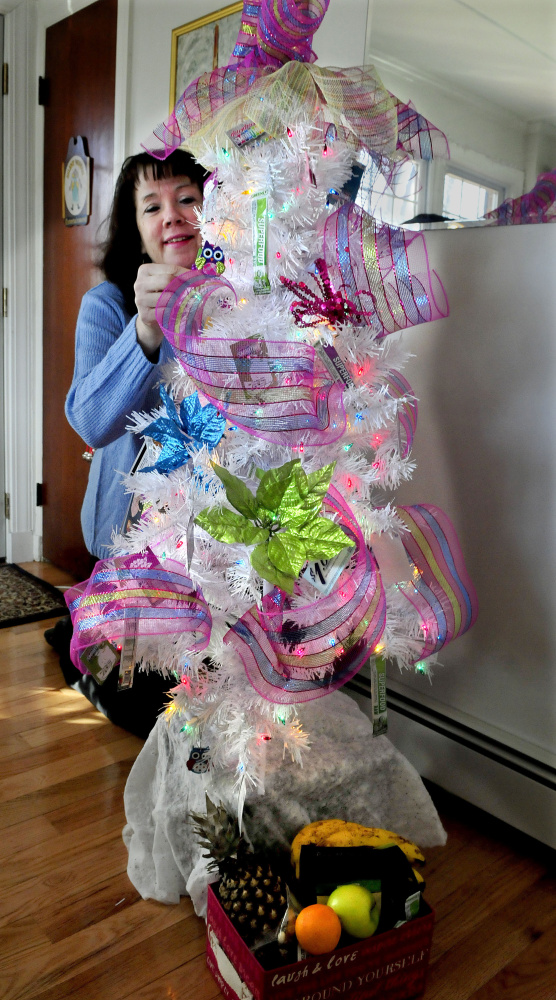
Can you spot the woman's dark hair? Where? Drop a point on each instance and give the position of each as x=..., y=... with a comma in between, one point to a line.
x=121, y=254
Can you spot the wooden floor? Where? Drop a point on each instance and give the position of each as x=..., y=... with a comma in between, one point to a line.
x=72, y=925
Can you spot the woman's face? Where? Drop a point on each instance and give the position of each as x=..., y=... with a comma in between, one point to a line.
x=166, y=220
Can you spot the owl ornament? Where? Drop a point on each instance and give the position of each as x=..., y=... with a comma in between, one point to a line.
x=199, y=760
x=210, y=260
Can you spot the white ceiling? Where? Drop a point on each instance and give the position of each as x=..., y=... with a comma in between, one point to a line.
x=500, y=50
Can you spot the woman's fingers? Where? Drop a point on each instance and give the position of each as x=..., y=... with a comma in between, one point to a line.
x=151, y=281
x=155, y=277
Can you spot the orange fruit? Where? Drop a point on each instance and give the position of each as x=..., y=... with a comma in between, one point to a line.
x=318, y=929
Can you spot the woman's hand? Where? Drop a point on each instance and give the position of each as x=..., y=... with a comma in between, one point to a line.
x=152, y=279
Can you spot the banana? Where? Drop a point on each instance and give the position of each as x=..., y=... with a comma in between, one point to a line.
x=339, y=833
x=420, y=880
x=374, y=837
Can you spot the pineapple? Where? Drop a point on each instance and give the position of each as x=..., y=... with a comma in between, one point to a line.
x=251, y=893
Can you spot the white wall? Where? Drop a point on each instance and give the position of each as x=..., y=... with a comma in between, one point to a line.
x=486, y=452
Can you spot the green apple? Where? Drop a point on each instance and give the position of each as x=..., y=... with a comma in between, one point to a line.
x=356, y=907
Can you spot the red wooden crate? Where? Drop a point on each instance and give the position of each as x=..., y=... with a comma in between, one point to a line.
x=392, y=966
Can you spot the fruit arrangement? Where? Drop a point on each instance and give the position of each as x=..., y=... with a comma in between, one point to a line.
x=346, y=882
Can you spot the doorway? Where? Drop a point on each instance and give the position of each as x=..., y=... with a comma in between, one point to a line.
x=3, y=497
x=80, y=70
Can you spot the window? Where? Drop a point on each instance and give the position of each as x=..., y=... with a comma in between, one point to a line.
x=465, y=198
x=389, y=196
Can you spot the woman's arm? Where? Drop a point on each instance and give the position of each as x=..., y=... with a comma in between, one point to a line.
x=112, y=375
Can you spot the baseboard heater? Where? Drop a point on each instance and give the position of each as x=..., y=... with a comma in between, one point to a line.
x=511, y=784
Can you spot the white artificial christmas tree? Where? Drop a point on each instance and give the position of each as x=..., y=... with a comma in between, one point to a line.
x=285, y=419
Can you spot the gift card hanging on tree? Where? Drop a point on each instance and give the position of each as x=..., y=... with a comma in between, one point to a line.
x=128, y=655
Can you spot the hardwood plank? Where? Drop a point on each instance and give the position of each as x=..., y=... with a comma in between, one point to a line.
x=22, y=836
x=46, y=571
x=170, y=951
x=194, y=982
x=28, y=628
x=147, y=929
x=493, y=944
x=29, y=667
x=20, y=938
x=66, y=881
x=40, y=860
x=60, y=920
x=76, y=815
x=45, y=800
x=12, y=745
x=64, y=712
x=73, y=767
x=74, y=744
x=89, y=720
x=497, y=886
x=59, y=703
x=33, y=685
x=531, y=975
x=17, y=645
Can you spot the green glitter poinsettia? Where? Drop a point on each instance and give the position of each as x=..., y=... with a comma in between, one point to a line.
x=282, y=520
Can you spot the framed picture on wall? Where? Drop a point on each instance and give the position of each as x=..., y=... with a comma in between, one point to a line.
x=202, y=45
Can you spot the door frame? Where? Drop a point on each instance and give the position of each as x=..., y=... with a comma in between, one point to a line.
x=2, y=412
x=24, y=51
x=22, y=347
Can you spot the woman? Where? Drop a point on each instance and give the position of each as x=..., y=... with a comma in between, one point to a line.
x=119, y=350
x=153, y=235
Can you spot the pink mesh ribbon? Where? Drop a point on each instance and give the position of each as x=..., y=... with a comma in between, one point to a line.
x=538, y=205
x=136, y=595
x=274, y=31
x=375, y=263
x=417, y=136
x=441, y=590
x=278, y=390
x=295, y=654
x=180, y=310
x=353, y=100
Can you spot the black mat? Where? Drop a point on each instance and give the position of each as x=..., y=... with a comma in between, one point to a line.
x=24, y=598
x=136, y=709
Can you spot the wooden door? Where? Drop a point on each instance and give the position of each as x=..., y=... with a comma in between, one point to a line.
x=80, y=75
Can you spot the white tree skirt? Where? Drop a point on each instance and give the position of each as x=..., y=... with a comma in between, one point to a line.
x=346, y=774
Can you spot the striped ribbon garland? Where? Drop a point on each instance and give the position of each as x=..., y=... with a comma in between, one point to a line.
x=382, y=269
x=441, y=590
x=295, y=654
x=278, y=390
x=418, y=137
x=158, y=599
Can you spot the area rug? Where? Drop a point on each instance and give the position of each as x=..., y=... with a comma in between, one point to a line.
x=25, y=598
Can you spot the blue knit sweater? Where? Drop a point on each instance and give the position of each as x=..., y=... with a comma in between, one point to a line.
x=112, y=377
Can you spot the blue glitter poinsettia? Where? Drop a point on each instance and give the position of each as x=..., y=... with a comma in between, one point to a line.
x=178, y=432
